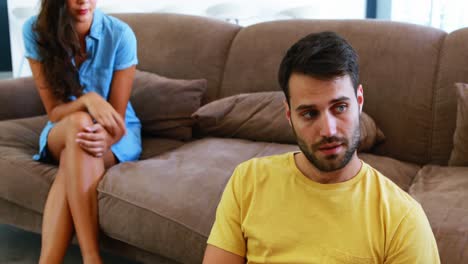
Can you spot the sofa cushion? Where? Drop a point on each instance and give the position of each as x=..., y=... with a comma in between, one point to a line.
x=165, y=105
x=459, y=156
x=442, y=192
x=24, y=182
x=261, y=117
x=156, y=146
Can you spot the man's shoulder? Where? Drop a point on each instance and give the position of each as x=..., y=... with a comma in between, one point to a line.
x=267, y=162
x=390, y=193
x=259, y=168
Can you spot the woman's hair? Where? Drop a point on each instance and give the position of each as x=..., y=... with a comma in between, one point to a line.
x=58, y=43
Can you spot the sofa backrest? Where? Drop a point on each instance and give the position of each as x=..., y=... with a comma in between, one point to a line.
x=407, y=71
x=398, y=65
x=182, y=46
x=453, y=67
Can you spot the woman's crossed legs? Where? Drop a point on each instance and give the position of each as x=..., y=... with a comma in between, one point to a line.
x=72, y=200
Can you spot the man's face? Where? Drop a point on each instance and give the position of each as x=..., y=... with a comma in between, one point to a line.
x=324, y=116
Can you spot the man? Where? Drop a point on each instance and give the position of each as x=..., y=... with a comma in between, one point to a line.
x=322, y=204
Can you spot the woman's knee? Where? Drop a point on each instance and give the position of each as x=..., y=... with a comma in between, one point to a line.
x=78, y=121
x=65, y=131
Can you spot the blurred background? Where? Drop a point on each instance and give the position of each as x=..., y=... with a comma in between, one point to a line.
x=448, y=15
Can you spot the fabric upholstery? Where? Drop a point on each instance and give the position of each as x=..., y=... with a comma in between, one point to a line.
x=23, y=176
x=453, y=67
x=164, y=106
x=183, y=46
x=156, y=146
x=459, y=155
x=442, y=192
x=19, y=98
x=397, y=90
x=261, y=117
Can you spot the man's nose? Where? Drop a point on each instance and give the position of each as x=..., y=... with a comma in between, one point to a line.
x=327, y=125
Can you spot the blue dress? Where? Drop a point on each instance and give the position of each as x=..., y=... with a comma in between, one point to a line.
x=110, y=46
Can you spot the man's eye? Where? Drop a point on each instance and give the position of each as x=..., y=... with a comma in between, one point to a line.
x=310, y=114
x=341, y=108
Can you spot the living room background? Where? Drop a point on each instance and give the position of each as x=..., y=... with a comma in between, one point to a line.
x=445, y=14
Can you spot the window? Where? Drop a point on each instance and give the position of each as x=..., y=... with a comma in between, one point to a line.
x=447, y=15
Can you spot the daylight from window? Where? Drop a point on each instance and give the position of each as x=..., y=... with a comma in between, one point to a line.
x=448, y=15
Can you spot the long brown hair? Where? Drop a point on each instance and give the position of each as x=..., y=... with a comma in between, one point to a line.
x=57, y=44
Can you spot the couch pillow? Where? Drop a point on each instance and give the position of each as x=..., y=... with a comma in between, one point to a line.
x=260, y=116
x=459, y=156
x=165, y=105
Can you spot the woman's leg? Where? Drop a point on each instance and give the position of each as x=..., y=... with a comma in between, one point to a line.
x=57, y=225
x=82, y=173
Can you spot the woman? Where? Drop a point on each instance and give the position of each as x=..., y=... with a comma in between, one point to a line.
x=83, y=63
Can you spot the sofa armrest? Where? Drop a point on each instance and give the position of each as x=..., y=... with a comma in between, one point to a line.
x=19, y=98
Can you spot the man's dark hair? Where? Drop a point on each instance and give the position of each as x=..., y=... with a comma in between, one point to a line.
x=324, y=56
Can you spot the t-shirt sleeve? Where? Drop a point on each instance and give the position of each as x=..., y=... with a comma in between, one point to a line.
x=226, y=232
x=413, y=241
x=30, y=40
x=126, y=54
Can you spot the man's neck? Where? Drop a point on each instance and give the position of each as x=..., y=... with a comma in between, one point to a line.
x=344, y=174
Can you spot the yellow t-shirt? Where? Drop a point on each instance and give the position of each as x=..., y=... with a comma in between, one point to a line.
x=271, y=213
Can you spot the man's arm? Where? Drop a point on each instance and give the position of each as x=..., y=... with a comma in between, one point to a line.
x=215, y=255
x=226, y=243
x=413, y=241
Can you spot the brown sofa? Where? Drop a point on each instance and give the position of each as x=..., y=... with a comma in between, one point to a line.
x=161, y=208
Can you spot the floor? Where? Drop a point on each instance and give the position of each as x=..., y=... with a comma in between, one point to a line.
x=21, y=247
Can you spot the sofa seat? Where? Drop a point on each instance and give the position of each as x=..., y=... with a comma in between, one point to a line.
x=171, y=200
x=442, y=193
x=26, y=182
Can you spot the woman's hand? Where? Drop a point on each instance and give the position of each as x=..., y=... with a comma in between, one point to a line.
x=95, y=140
x=104, y=114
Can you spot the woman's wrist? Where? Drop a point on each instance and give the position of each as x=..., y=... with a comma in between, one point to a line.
x=83, y=100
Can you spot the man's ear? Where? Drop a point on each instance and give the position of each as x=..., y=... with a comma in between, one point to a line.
x=287, y=111
x=360, y=97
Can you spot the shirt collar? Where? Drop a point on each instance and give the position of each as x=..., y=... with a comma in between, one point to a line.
x=96, y=25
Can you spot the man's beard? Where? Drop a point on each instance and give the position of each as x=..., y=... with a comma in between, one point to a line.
x=330, y=162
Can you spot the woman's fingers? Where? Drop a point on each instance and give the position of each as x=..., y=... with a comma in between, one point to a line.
x=93, y=140
x=89, y=143
x=94, y=148
x=89, y=136
x=111, y=123
x=106, y=115
x=96, y=152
